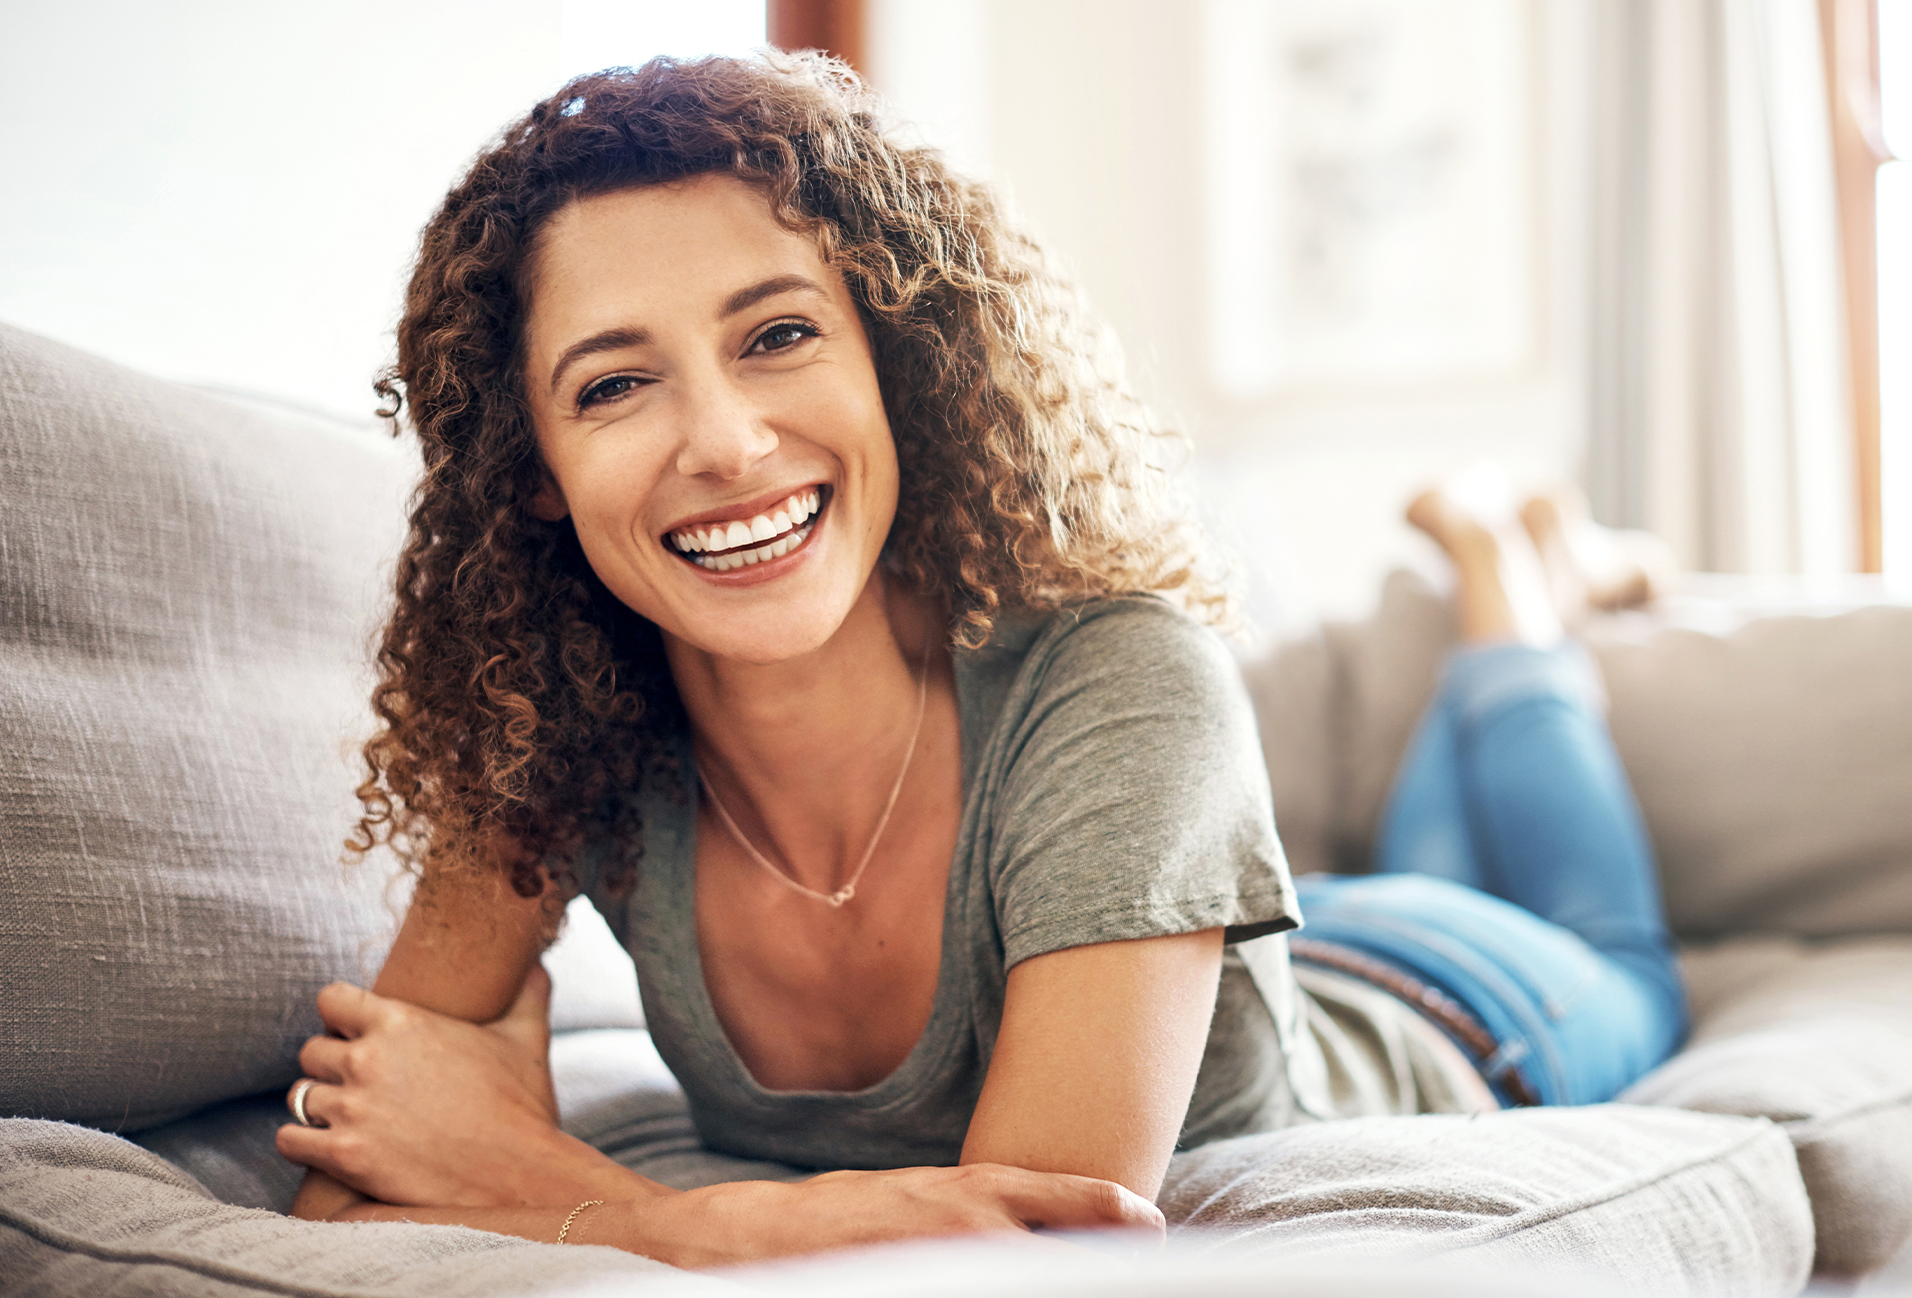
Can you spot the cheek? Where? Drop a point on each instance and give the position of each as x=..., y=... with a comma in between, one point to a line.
x=608, y=494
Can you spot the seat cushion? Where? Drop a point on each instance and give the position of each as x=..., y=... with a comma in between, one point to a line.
x=83, y=1213
x=1606, y=1198
x=1816, y=1037
x=1668, y=1202
x=1677, y=1202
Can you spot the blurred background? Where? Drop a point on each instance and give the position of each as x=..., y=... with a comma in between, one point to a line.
x=1656, y=247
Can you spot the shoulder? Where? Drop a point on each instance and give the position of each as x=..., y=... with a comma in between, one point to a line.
x=1140, y=646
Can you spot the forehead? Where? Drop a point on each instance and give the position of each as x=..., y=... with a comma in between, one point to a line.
x=662, y=248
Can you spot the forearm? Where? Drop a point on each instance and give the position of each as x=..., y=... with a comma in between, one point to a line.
x=639, y=1220
x=564, y=1171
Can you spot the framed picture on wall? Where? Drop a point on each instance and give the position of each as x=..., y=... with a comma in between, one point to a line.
x=1375, y=213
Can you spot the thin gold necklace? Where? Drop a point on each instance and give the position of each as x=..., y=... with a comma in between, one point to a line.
x=848, y=890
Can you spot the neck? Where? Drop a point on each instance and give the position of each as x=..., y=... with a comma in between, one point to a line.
x=804, y=752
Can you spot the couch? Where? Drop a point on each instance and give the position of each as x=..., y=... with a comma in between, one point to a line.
x=188, y=584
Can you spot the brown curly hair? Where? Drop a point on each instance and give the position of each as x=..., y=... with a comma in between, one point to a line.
x=516, y=695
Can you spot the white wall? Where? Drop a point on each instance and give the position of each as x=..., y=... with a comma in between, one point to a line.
x=1087, y=112
x=230, y=191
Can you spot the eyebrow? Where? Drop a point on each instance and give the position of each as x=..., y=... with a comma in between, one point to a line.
x=609, y=341
x=743, y=299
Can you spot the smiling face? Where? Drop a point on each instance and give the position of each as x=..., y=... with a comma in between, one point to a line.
x=707, y=406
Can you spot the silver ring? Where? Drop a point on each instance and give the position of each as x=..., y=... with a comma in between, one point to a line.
x=296, y=1101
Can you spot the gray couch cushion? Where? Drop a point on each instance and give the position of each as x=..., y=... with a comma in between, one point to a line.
x=83, y=1213
x=1817, y=1037
x=187, y=590
x=1770, y=744
x=1668, y=1202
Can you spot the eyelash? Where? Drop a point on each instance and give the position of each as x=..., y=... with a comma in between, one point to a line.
x=803, y=327
x=596, y=394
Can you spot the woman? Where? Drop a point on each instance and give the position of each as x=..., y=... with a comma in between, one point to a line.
x=774, y=581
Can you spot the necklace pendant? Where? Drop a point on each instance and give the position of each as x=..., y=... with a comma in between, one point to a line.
x=842, y=895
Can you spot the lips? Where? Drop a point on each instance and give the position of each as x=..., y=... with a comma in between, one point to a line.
x=725, y=545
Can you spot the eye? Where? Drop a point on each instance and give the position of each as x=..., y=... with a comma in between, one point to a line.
x=607, y=389
x=784, y=335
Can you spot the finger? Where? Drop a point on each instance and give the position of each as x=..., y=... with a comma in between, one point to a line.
x=323, y=1058
x=350, y=1011
x=1059, y=1202
x=311, y=1147
x=303, y=1145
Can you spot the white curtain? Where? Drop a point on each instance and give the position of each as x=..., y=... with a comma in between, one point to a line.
x=1720, y=407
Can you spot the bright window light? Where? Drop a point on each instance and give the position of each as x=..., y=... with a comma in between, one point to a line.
x=600, y=34
x=1895, y=291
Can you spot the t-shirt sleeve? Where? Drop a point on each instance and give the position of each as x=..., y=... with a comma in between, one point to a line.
x=1133, y=801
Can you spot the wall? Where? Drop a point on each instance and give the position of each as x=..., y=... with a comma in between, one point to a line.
x=1088, y=113
x=230, y=192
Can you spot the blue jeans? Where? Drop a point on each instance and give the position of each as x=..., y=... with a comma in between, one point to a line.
x=1514, y=874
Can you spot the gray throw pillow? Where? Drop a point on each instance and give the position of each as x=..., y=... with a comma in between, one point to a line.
x=186, y=597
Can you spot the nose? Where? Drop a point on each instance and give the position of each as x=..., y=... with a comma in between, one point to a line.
x=723, y=432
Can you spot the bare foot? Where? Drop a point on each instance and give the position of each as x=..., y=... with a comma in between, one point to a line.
x=1589, y=566
x=1501, y=589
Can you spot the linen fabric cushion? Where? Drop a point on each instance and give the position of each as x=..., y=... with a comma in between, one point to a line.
x=1772, y=755
x=1596, y=1200
x=1817, y=1037
x=83, y=1213
x=1663, y=1201
x=185, y=600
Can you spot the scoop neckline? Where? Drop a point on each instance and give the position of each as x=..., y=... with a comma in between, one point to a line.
x=682, y=947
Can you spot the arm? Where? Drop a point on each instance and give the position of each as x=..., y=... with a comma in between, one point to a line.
x=489, y=1125
x=1096, y=1058
x=468, y=949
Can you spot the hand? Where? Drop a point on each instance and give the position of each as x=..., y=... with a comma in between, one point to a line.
x=750, y=1220
x=421, y=1108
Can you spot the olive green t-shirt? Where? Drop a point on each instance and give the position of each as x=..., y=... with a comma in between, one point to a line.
x=1113, y=788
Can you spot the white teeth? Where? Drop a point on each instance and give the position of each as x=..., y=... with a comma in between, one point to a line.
x=785, y=528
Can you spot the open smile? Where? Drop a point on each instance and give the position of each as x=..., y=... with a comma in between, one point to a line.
x=729, y=544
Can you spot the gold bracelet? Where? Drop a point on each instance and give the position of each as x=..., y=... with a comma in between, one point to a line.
x=566, y=1228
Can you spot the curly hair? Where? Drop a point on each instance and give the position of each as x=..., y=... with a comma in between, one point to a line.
x=516, y=695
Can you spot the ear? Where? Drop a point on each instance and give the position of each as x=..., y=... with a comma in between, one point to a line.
x=549, y=504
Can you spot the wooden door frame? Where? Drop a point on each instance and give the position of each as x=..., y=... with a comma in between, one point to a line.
x=833, y=26
x=1849, y=31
